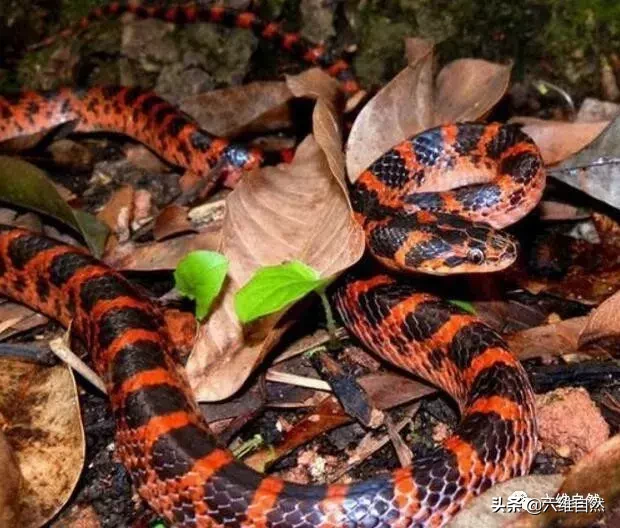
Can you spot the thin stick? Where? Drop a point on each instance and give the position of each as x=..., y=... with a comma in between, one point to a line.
x=61, y=349
x=294, y=379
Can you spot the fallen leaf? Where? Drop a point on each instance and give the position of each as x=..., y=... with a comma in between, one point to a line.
x=171, y=221
x=228, y=112
x=385, y=390
x=400, y=109
x=592, y=110
x=164, y=255
x=118, y=212
x=558, y=140
x=11, y=484
x=596, y=473
x=465, y=90
x=27, y=186
x=479, y=511
x=42, y=414
x=595, y=170
x=314, y=83
x=555, y=211
x=20, y=317
x=71, y=155
x=296, y=211
x=603, y=323
x=547, y=340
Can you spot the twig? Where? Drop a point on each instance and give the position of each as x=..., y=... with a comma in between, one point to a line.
x=61, y=349
x=299, y=381
x=370, y=444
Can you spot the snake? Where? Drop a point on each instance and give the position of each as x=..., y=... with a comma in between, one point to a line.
x=433, y=204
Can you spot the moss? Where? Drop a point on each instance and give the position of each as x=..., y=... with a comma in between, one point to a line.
x=559, y=40
x=72, y=10
x=381, y=29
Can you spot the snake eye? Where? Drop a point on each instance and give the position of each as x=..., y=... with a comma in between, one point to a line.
x=475, y=256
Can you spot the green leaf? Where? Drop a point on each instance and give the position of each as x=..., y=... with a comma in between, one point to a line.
x=274, y=287
x=200, y=276
x=464, y=305
x=25, y=185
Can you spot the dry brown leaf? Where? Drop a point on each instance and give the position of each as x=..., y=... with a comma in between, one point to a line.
x=40, y=406
x=11, y=483
x=162, y=255
x=558, y=140
x=550, y=210
x=465, y=90
x=21, y=317
x=117, y=213
x=594, y=169
x=232, y=111
x=597, y=472
x=401, y=108
x=603, y=323
x=479, y=511
x=547, y=340
x=314, y=83
x=171, y=221
x=295, y=211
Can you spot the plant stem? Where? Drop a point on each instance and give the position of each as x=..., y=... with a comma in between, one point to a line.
x=334, y=342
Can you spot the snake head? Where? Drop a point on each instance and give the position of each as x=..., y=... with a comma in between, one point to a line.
x=439, y=244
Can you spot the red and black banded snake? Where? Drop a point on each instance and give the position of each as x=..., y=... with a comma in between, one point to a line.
x=162, y=438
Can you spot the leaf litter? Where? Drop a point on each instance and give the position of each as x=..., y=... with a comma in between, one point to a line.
x=275, y=205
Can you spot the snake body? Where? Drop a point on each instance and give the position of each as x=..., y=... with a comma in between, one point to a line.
x=414, y=221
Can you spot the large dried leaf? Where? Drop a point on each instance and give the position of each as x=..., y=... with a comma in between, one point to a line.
x=465, y=90
x=401, y=108
x=259, y=106
x=39, y=406
x=232, y=111
x=282, y=213
x=547, y=340
x=558, y=140
x=162, y=255
x=596, y=473
x=479, y=512
x=603, y=323
x=595, y=170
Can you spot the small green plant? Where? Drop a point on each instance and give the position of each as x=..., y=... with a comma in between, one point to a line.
x=464, y=305
x=200, y=276
x=275, y=287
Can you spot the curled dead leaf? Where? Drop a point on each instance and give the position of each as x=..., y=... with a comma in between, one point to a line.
x=465, y=90
x=602, y=323
x=401, y=108
x=43, y=424
x=296, y=211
